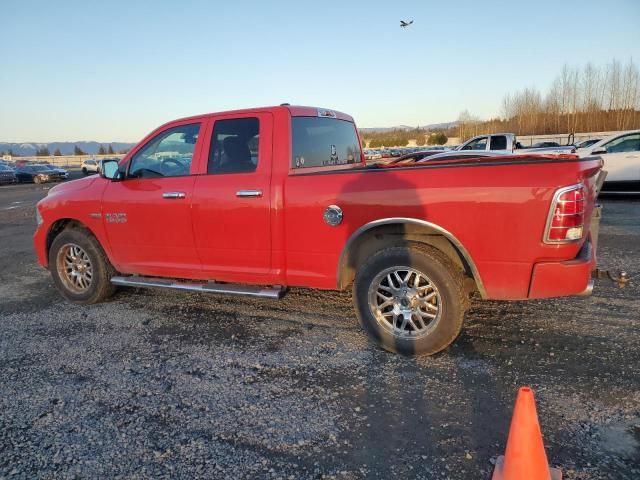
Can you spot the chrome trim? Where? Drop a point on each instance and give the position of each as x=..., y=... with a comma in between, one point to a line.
x=205, y=287
x=602, y=176
x=409, y=307
x=588, y=290
x=413, y=221
x=333, y=215
x=554, y=202
x=248, y=193
x=171, y=195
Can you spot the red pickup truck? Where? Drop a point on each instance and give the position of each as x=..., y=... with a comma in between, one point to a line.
x=251, y=202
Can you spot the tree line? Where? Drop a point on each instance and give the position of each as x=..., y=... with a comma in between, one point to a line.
x=587, y=99
x=401, y=138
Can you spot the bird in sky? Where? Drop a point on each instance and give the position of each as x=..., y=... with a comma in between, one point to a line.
x=404, y=24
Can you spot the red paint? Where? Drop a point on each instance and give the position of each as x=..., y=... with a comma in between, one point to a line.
x=496, y=211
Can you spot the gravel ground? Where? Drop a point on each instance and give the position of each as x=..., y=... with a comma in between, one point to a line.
x=171, y=385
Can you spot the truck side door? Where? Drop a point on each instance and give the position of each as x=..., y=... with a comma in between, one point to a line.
x=147, y=215
x=232, y=199
x=479, y=143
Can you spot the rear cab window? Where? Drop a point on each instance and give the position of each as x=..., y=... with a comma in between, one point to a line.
x=324, y=142
x=234, y=146
x=498, y=142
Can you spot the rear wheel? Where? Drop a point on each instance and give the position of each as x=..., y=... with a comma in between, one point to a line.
x=79, y=267
x=37, y=179
x=410, y=299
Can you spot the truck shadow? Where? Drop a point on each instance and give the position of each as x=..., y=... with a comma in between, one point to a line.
x=410, y=418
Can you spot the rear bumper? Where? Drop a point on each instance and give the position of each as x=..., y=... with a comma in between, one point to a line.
x=572, y=277
x=562, y=279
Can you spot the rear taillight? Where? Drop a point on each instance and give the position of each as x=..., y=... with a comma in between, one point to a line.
x=566, y=216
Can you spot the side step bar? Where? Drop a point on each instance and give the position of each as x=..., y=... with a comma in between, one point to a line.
x=203, y=287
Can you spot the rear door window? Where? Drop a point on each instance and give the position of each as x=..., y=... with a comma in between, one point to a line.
x=322, y=142
x=234, y=146
x=627, y=143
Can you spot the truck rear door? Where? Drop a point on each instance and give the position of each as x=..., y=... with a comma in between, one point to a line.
x=232, y=198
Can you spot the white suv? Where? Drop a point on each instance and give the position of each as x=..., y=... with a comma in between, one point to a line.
x=90, y=166
x=621, y=155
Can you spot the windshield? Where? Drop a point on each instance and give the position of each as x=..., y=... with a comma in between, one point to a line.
x=320, y=142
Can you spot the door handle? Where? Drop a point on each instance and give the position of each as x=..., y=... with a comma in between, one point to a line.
x=174, y=195
x=249, y=193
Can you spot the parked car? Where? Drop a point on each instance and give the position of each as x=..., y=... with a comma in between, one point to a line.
x=507, y=142
x=6, y=163
x=63, y=173
x=38, y=174
x=465, y=156
x=430, y=156
x=90, y=166
x=253, y=201
x=546, y=145
x=621, y=155
x=587, y=143
x=7, y=175
x=413, y=157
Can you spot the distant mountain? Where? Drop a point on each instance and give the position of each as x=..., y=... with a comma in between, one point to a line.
x=66, y=148
x=432, y=126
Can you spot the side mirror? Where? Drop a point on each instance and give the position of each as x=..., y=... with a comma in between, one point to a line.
x=599, y=151
x=110, y=169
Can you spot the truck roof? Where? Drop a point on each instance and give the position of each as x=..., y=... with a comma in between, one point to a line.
x=294, y=111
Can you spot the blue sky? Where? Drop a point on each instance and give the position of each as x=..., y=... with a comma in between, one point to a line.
x=114, y=70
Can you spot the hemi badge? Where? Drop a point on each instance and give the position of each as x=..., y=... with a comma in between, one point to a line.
x=95, y=215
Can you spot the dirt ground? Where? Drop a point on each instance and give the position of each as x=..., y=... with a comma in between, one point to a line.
x=156, y=384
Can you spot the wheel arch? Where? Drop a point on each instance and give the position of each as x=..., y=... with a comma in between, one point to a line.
x=399, y=230
x=62, y=224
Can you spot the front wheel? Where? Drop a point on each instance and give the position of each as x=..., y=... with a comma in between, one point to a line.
x=85, y=171
x=410, y=299
x=37, y=179
x=80, y=269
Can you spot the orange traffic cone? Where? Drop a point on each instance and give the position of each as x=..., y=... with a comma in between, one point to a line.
x=525, y=458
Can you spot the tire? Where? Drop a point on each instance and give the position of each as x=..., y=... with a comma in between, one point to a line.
x=84, y=171
x=93, y=290
x=37, y=179
x=386, y=325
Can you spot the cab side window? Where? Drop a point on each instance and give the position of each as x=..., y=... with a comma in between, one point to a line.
x=477, y=144
x=169, y=154
x=627, y=143
x=234, y=146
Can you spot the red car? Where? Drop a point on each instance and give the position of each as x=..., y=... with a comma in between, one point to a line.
x=250, y=202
